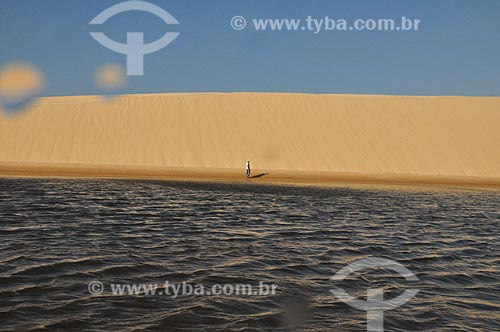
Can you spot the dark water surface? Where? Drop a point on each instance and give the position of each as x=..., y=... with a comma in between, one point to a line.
x=56, y=236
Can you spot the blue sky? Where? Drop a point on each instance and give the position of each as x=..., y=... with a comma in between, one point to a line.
x=455, y=52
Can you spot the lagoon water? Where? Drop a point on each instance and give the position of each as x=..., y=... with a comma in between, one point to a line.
x=57, y=236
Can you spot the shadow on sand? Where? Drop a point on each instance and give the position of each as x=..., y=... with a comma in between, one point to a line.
x=258, y=176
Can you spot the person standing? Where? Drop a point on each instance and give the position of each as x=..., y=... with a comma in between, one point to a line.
x=248, y=168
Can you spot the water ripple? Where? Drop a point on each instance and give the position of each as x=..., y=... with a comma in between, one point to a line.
x=58, y=235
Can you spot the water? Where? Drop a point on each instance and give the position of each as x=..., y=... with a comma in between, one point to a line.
x=59, y=235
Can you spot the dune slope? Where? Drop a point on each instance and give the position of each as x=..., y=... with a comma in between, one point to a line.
x=448, y=136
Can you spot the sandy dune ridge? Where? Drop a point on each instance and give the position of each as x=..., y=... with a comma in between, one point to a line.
x=358, y=134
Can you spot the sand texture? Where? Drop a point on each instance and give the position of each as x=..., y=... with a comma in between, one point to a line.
x=358, y=134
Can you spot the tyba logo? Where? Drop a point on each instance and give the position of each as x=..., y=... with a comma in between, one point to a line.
x=375, y=304
x=135, y=49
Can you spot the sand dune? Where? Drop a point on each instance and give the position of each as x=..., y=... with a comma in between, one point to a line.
x=399, y=135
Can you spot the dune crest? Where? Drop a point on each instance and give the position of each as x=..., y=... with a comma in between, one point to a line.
x=368, y=134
